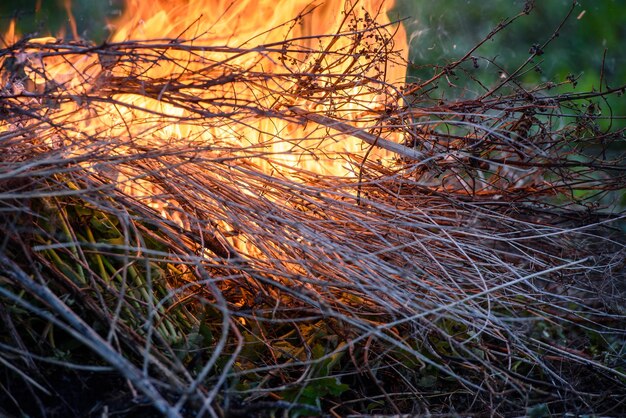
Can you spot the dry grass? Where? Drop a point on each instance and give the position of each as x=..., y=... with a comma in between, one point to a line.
x=479, y=270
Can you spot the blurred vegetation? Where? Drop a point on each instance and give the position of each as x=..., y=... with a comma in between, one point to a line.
x=44, y=17
x=588, y=46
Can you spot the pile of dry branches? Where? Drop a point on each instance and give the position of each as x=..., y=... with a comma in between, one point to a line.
x=468, y=256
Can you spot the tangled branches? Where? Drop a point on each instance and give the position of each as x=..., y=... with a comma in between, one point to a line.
x=281, y=226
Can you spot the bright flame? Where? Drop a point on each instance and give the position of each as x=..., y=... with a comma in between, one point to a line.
x=246, y=24
x=194, y=43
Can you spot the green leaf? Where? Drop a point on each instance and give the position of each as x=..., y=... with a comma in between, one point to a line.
x=334, y=386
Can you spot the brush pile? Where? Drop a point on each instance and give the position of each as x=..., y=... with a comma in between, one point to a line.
x=457, y=256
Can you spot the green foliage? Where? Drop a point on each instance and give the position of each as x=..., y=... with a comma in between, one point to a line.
x=71, y=233
x=324, y=352
x=51, y=18
x=442, y=32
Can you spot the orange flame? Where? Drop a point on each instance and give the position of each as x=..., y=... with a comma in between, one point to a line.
x=247, y=24
x=288, y=38
x=243, y=25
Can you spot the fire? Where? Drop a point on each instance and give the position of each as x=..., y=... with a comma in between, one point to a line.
x=245, y=25
x=211, y=32
x=244, y=65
